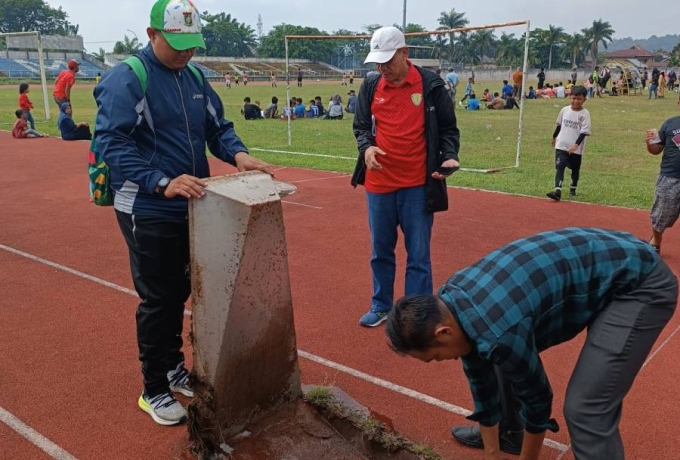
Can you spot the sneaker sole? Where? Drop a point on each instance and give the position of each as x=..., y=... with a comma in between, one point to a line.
x=377, y=323
x=184, y=391
x=161, y=421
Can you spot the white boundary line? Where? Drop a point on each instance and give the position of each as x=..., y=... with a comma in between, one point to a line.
x=331, y=364
x=34, y=437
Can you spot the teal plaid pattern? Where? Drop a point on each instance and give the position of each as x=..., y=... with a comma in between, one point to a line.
x=530, y=295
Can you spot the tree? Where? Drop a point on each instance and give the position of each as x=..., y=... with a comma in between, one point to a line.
x=574, y=47
x=34, y=15
x=600, y=32
x=272, y=45
x=452, y=20
x=127, y=46
x=509, y=50
x=551, y=37
x=225, y=36
x=482, y=41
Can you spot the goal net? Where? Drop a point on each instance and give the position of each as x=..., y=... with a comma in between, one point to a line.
x=16, y=64
x=490, y=139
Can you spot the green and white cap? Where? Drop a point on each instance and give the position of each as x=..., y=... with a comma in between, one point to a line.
x=179, y=22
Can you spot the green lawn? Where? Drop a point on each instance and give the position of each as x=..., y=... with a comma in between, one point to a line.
x=616, y=168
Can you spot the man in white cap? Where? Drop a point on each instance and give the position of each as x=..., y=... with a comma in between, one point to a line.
x=154, y=143
x=408, y=144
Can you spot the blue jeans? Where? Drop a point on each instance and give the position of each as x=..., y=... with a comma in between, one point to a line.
x=405, y=208
x=653, y=89
x=30, y=119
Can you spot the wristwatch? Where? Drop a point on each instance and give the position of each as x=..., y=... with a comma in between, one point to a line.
x=162, y=185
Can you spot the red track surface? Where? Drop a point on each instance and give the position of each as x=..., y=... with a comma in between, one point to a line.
x=68, y=346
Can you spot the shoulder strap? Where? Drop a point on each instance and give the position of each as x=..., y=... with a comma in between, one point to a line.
x=197, y=73
x=137, y=66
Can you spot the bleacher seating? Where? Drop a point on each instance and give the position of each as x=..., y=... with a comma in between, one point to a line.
x=27, y=68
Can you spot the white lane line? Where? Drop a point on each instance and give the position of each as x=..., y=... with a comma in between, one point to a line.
x=407, y=391
x=319, y=155
x=68, y=270
x=660, y=347
x=34, y=437
x=301, y=204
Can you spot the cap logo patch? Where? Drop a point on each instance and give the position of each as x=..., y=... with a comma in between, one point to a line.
x=188, y=19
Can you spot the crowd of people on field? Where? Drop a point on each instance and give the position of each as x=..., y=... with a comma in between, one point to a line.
x=296, y=108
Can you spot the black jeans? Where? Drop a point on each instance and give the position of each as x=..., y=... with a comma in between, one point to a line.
x=562, y=161
x=159, y=262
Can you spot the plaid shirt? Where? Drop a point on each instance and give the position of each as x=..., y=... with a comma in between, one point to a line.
x=530, y=295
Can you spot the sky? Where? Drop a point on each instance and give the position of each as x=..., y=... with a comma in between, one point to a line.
x=102, y=23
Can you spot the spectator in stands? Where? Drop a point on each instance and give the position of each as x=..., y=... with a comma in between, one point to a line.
x=271, y=110
x=299, y=77
x=25, y=104
x=497, y=103
x=334, y=108
x=313, y=111
x=250, y=111
x=64, y=83
x=70, y=130
x=20, y=130
x=300, y=108
x=351, y=102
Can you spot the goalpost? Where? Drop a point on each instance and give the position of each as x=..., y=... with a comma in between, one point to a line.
x=43, y=75
x=525, y=23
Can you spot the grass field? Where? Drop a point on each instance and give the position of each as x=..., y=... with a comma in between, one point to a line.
x=616, y=167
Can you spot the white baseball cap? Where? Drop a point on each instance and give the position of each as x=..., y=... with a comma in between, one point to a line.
x=384, y=43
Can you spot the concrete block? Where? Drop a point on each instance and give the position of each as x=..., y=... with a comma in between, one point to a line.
x=244, y=348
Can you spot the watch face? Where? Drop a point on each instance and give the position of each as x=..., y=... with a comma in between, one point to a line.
x=163, y=182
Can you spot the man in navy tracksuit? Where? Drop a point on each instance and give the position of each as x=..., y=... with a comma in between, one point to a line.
x=154, y=144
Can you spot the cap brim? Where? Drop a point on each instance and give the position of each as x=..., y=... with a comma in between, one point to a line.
x=379, y=57
x=181, y=42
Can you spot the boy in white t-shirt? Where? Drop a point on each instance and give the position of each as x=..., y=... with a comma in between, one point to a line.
x=573, y=125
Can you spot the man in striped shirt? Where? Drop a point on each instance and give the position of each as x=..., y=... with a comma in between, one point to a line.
x=500, y=313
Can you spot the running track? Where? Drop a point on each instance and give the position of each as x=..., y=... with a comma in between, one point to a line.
x=70, y=377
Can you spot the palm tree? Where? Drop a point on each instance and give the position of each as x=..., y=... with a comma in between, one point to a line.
x=440, y=50
x=574, y=47
x=600, y=32
x=551, y=37
x=452, y=20
x=509, y=50
x=483, y=40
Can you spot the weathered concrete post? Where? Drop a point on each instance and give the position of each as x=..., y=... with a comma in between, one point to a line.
x=245, y=358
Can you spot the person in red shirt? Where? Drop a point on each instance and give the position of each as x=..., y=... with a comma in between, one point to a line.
x=64, y=83
x=408, y=143
x=20, y=130
x=25, y=104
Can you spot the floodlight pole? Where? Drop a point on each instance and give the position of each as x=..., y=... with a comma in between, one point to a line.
x=43, y=78
x=403, y=22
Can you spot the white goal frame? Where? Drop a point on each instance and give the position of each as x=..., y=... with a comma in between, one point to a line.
x=43, y=75
x=433, y=32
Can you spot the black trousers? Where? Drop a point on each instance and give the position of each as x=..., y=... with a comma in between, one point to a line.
x=562, y=161
x=159, y=262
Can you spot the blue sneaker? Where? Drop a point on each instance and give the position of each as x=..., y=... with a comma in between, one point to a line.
x=373, y=318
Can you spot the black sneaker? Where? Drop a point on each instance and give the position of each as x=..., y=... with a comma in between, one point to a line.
x=471, y=436
x=555, y=194
x=572, y=192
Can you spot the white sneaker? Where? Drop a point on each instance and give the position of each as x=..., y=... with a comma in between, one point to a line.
x=179, y=381
x=164, y=409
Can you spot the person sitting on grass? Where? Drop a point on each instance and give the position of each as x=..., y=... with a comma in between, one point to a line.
x=473, y=102
x=319, y=106
x=497, y=103
x=300, y=108
x=70, y=130
x=531, y=94
x=486, y=96
x=334, y=108
x=313, y=109
x=20, y=130
x=510, y=102
x=250, y=111
x=271, y=110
